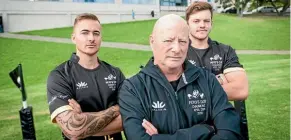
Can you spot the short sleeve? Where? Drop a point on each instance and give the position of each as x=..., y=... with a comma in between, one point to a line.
x=58, y=93
x=231, y=62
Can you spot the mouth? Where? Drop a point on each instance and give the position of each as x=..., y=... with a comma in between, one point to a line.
x=202, y=31
x=175, y=58
x=90, y=46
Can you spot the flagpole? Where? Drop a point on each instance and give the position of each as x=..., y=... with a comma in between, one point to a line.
x=25, y=113
x=22, y=86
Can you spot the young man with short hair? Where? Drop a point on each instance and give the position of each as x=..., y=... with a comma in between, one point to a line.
x=82, y=92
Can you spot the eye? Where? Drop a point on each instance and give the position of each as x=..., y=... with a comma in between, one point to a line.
x=84, y=33
x=196, y=21
x=96, y=33
x=168, y=41
x=182, y=41
x=206, y=21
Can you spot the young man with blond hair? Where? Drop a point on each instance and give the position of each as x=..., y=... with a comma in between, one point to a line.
x=82, y=92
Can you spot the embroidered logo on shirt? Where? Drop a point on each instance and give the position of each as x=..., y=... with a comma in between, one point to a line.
x=64, y=97
x=215, y=57
x=197, y=102
x=81, y=85
x=110, y=80
x=216, y=62
x=52, y=99
x=110, y=77
x=159, y=106
x=192, y=62
x=196, y=94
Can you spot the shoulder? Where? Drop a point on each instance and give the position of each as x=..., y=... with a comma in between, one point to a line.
x=205, y=73
x=135, y=82
x=196, y=70
x=136, y=79
x=220, y=46
x=110, y=67
x=61, y=69
x=60, y=73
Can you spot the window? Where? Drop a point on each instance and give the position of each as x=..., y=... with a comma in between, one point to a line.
x=173, y=2
x=96, y=1
x=139, y=1
x=39, y=0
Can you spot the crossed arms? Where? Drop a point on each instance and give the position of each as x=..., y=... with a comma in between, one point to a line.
x=77, y=125
x=133, y=110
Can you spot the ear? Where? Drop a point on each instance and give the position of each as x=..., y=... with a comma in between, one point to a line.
x=211, y=26
x=73, y=37
x=152, y=41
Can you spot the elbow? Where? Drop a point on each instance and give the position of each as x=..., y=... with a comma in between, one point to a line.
x=245, y=90
x=243, y=95
x=71, y=130
x=239, y=95
x=72, y=135
x=242, y=92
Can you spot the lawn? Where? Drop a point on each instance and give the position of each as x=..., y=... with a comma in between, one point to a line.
x=255, y=33
x=267, y=106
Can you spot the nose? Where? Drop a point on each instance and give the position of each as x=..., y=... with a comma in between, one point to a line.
x=202, y=24
x=176, y=48
x=91, y=37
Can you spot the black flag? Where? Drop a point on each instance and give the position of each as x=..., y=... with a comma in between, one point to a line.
x=26, y=116
x=17, y=78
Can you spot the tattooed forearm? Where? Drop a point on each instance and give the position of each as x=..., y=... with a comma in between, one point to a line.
x=82, y=125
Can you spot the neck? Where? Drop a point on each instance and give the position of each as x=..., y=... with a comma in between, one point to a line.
x=198, y=43
x=87, y=61
x=172, y=74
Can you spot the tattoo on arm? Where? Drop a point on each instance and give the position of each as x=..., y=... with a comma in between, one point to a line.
x=85, y=124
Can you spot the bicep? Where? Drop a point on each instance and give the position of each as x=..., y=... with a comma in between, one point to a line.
x=231, y=60
x=58, y=93
x=238, y=75
x=237, y=85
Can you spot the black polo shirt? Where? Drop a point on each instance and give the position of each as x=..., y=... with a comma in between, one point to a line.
x=218, y=58
x=94, y=89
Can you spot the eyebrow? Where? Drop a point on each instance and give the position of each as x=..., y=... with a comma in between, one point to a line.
x=171, y=38
x=201, y=19
x=85, y=30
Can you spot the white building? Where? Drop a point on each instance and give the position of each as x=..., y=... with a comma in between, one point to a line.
x=24, y=15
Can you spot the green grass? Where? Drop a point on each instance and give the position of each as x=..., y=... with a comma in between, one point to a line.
x=38, y=58
x=267, y=106
x=131, y=32
x=255, y=33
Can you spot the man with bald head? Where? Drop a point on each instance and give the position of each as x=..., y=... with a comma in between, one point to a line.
x=171, y=99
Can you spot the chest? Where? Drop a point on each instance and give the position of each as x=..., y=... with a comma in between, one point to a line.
x=170, y=110
x=94, y=90
x=210, y=60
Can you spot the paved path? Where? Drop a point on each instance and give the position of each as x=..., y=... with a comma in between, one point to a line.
x=123, y=45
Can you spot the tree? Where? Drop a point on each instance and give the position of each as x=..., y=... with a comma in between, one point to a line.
x=240, y=5
x=285, y=4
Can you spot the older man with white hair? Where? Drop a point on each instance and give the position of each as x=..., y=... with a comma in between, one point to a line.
x=170, y=98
